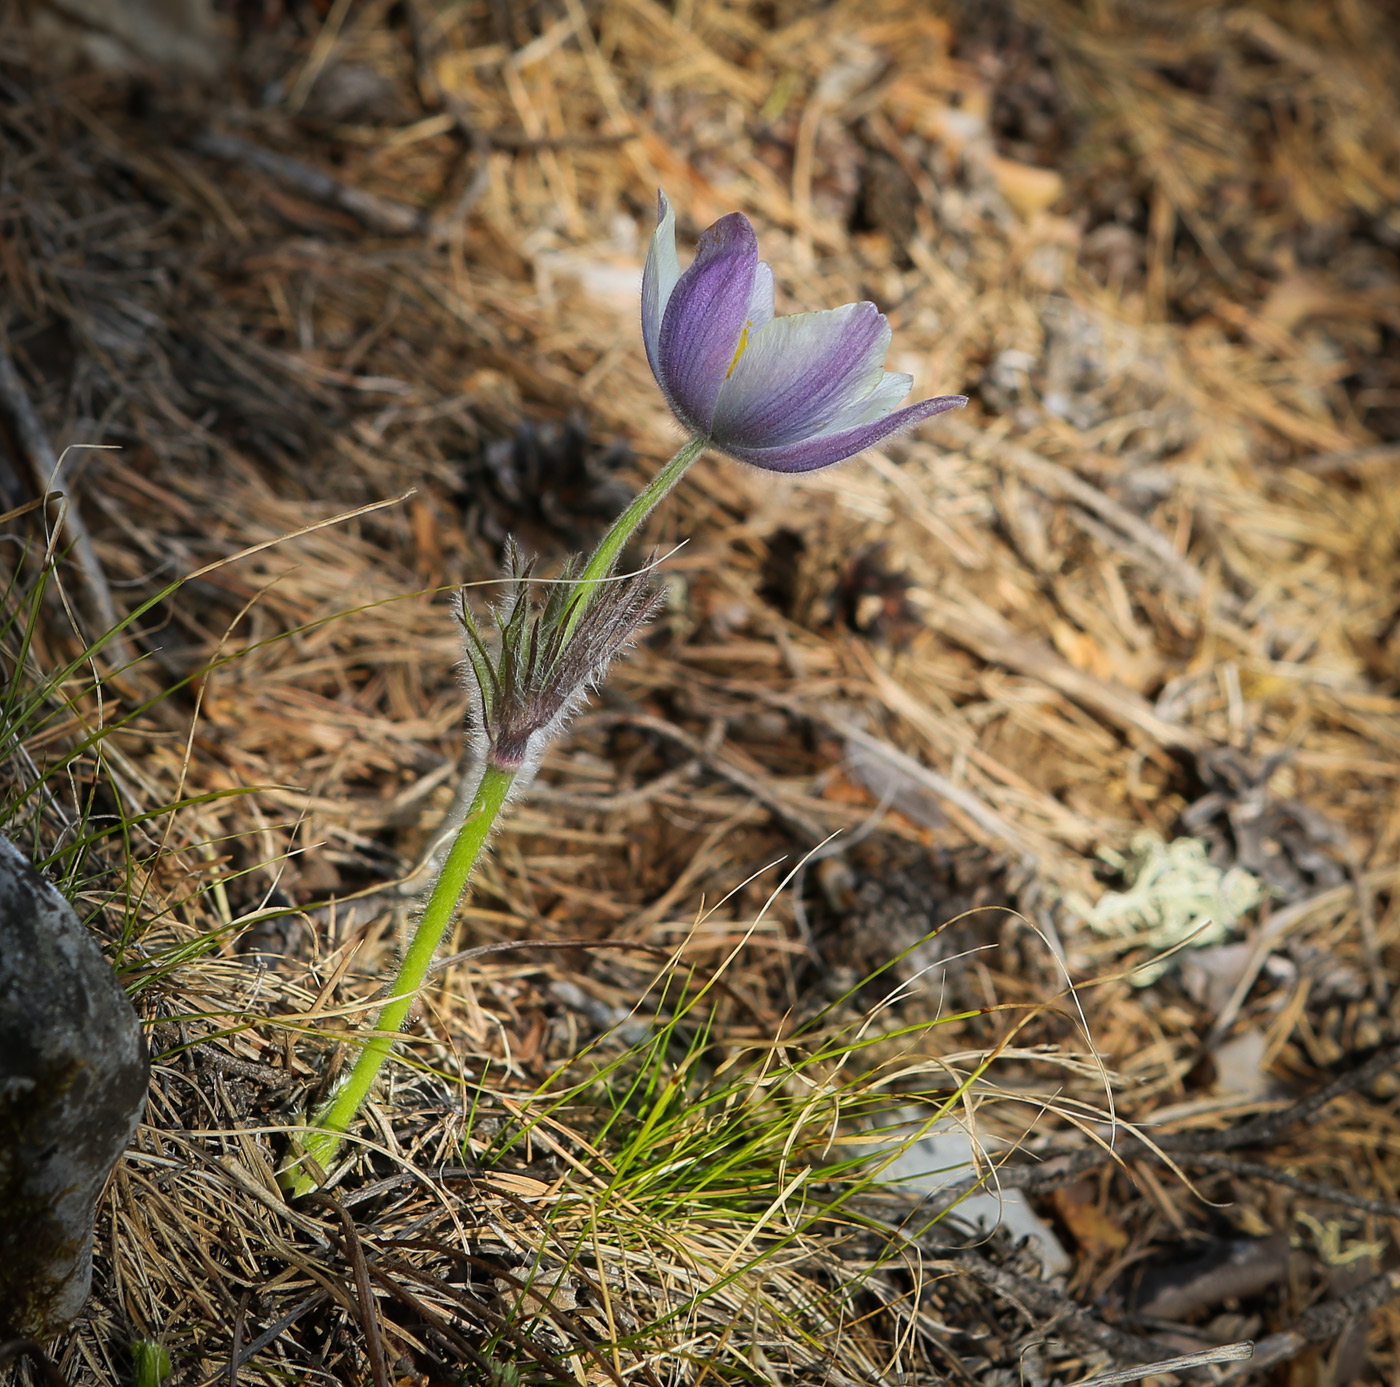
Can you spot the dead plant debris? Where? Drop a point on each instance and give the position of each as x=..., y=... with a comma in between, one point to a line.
x=1146, y=584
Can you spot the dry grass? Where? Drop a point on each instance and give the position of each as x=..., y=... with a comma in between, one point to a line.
x=1158, y=248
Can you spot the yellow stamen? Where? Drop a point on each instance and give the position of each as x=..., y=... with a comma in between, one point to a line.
x=739, y=350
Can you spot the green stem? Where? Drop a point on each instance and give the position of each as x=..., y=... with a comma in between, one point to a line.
x=322, y=1141
x=600, y=565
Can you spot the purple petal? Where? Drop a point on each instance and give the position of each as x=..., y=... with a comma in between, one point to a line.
x=663, y=269
x=705, y=319
x=822, y=449
x=797, y=374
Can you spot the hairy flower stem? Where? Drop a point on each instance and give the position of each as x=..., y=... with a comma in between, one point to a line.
x=321, y=1142
x=601, y=562
x=303, y=1172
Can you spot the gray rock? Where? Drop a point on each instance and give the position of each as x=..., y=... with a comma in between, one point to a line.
x=73, y=1075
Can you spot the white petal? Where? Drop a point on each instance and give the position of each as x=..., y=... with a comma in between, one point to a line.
x=761, y=300
x=882, y=400
x=663, y=269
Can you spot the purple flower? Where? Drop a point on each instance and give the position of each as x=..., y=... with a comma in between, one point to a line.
x=789, y=394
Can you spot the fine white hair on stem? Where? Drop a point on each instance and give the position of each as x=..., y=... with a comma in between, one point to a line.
x=546, y=658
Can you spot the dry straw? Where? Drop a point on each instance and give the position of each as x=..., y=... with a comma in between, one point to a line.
x=1156, y=247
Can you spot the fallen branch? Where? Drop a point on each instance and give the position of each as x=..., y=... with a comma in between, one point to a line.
x=1321, y=1323
x=1043, y=1302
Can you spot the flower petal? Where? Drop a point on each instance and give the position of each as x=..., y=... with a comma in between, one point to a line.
x=892, y=387
x=761, y=300
x=704, y=320
x=663, y=269
x=822, y=449
x=797, y=374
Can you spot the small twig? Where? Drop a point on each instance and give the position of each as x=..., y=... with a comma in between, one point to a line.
x=518, y=143
x=503, y=946
x=1352, y=459
x=542, y=1296
x=959, y=796
x=360, y=907
x=1269, y=937
x=494, y=1270
x=1269, y=1125
x=23, y=422
x=1318, y=1189
x=265, y=1074
x=439, y=1325
x=371, y=211
x=1226, y=1353
x=320, y=55
x=1040, y=1299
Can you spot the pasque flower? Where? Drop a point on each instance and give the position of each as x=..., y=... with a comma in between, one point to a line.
x=788, y=394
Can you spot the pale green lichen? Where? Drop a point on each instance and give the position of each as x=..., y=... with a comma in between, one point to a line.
x=1175, y=894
